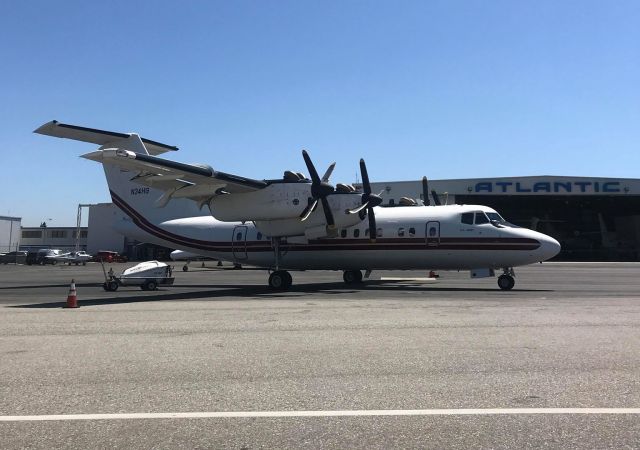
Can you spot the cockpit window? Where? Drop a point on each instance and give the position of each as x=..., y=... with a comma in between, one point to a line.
x=467, y=218
x=495, y=217
x=481, y=218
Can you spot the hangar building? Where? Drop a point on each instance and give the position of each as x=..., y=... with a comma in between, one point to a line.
x=593, y=218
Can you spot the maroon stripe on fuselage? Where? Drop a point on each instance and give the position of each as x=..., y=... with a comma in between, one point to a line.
x=335, y=244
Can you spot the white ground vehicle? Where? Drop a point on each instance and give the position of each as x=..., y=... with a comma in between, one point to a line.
x=148, y=275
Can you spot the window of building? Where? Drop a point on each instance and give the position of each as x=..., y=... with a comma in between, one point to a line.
x=401, y=232
x=31, y=234
x=412, y=231
x=356, y=233
x=481, y=218
x=343, y=233
x=58, y=234
x=467, y=218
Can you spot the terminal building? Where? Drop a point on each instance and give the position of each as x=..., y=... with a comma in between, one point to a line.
x=595, y=219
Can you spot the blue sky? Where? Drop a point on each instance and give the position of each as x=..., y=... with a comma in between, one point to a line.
x=447, y=89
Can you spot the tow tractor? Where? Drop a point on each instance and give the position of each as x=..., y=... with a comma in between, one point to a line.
x=148, y=275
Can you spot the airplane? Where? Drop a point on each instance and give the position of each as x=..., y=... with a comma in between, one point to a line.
x=297, y=222
x=76, y=258
x=181, y=255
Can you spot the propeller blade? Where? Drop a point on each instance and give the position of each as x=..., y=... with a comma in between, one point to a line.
x=436, y=199
x=328, y=215
x=373, y=231
x=358, y=209
x=425, y=192
x=308, y=210
x=310, y=167
x=365, y=177
x=328, y=173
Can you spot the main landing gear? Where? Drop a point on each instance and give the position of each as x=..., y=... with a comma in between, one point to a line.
x=506, y=281
x=352, y=276
x=279, y=280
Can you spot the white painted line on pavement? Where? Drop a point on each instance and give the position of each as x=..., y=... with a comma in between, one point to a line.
x=421, y=280
x=345, y=413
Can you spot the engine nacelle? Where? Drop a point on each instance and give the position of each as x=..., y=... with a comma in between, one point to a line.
x=276, y=201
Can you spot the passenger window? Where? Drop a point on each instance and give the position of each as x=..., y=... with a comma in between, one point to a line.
x=392, y=202
x=401, y=232
x=239, y=237
x=356, y=233
x=481, y=218
x=259, y=236
x=412, y=231
x=379, y=232
x=343, y=233
x=467, y=218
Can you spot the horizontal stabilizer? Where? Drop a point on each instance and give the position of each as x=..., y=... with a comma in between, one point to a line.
x=100, y=137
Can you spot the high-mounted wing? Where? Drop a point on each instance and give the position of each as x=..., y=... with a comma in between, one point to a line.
x=131, y=152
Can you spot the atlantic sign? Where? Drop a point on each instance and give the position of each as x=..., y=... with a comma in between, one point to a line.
x=563, y=186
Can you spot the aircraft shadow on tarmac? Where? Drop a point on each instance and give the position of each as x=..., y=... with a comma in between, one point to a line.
x=243, y=292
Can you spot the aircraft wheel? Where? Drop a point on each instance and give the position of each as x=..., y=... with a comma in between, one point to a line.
x=84, y=263
x=352, y=276
x=185, y=268
x=280, y=280
x=506, y=282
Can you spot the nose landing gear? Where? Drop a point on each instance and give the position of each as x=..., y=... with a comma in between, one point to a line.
x=506, y=281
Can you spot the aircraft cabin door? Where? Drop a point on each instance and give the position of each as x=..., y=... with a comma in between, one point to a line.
x=239, y=242
x=432, y=234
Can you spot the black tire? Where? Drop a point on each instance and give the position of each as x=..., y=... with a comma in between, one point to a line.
x=84, y=263
x=280, y=280
x=352, y=276
x=185, y=268
x=506, y=282
x=149, y=285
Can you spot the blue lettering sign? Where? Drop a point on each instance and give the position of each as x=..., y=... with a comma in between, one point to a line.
x=611, y=186
x=485, y=186
x=566, y=186
x=521, y=189
x=542, y=186
x=503, y=185
x=583, y=185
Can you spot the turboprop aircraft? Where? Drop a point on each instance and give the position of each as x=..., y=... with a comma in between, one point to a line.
x=297, y=222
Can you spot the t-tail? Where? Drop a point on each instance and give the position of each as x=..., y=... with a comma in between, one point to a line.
x=131, y=190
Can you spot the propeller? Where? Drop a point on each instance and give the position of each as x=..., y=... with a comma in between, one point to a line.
x=436, y=199
x=425, y=192
x=320, y=189
x=369, y=201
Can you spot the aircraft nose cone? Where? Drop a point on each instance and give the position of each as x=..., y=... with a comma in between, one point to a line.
x=549, y=247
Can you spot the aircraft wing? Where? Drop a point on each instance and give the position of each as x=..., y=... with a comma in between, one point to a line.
x=179, y=179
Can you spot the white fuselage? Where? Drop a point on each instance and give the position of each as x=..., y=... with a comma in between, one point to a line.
x=419, y=237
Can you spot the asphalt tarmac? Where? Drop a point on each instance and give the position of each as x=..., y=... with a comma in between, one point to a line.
x=567, y=336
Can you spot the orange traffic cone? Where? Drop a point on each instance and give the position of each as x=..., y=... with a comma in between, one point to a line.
x=72, y=298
